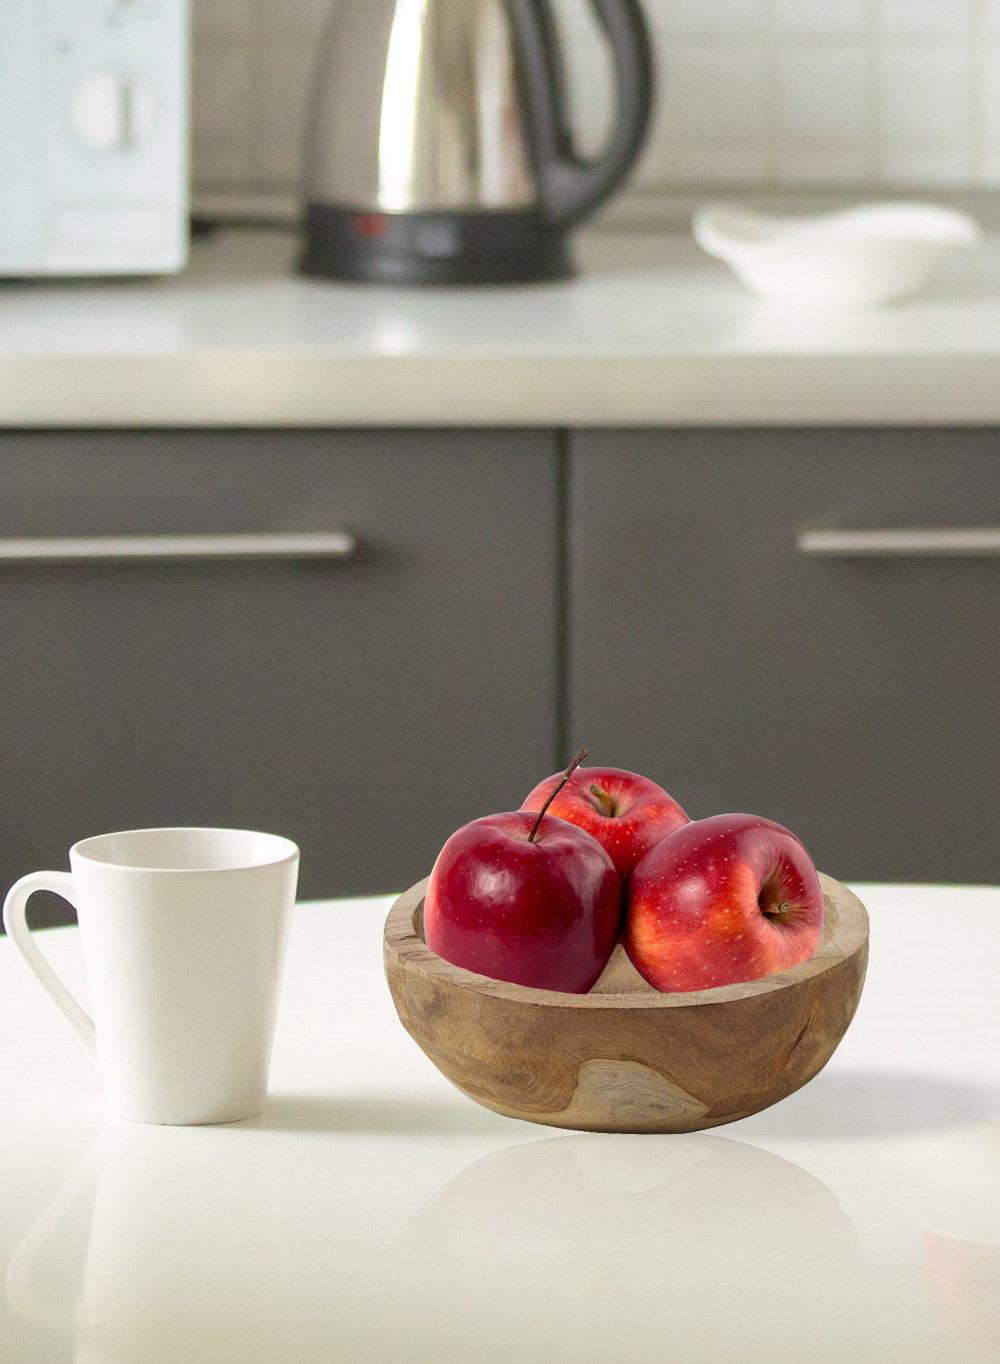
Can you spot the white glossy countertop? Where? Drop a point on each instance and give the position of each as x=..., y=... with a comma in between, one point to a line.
x=375, y=1213
x=653, y=331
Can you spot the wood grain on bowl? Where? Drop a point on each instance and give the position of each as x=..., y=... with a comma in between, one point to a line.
x=624, y=1057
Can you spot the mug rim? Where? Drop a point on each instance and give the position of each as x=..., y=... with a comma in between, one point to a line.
x=281, y=850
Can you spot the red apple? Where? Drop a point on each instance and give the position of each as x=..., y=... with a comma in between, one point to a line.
x=526, y=898
x=725, y=899
x=625, y=812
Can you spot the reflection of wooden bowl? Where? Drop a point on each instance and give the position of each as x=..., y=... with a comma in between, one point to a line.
x=625, y=1058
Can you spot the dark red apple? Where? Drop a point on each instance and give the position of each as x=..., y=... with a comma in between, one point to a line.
x=720, y=900
x=625, y=812
x=526, y=898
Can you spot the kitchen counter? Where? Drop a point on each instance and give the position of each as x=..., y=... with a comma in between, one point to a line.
x=652, y=332
x=373, y=1212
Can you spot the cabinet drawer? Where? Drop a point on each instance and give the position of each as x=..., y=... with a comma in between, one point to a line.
x=364, y=700
x=804, y=624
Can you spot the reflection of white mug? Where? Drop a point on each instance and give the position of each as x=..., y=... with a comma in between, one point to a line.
x=183, y=934
x=156, y=1251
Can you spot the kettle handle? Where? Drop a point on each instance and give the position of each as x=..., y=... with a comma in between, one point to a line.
x=570, y=185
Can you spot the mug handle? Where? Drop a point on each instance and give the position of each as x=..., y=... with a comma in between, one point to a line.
x=14, y=921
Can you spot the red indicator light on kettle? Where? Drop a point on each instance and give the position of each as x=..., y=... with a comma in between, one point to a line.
x=369, y=224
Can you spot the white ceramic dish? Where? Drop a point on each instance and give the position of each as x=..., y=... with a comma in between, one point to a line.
x=859, y=257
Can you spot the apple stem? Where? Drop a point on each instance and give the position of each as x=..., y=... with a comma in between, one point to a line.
x=555, y=791
x=602, y=798
x=777, y=913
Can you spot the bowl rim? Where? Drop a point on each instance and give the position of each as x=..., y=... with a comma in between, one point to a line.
x=845, y=932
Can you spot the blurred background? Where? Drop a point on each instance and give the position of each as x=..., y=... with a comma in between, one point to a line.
x=607, y=558
x=787, y=93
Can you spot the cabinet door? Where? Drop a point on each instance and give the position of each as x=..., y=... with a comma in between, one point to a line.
x=364, y=707
x=853, y=698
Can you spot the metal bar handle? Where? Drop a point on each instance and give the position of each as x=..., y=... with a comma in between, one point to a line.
x=887, y=543
x=100, y=549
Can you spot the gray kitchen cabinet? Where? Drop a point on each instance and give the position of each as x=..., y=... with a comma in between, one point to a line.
x=852, y=697
x=365, y=707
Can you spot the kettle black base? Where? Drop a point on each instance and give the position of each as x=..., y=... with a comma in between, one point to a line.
x=485, y=246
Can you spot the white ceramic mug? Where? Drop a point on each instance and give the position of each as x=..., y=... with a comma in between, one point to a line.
x=183, y=933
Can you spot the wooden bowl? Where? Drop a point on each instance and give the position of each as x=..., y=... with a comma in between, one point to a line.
x=625, y=1058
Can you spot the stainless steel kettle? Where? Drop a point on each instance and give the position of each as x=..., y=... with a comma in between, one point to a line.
x=439, y=149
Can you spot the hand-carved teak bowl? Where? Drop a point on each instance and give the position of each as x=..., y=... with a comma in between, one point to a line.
x=625, y=1058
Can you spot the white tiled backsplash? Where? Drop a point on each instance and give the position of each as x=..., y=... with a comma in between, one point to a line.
x=752, y=94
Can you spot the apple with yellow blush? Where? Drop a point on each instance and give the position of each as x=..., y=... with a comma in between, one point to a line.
x=722, y=900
